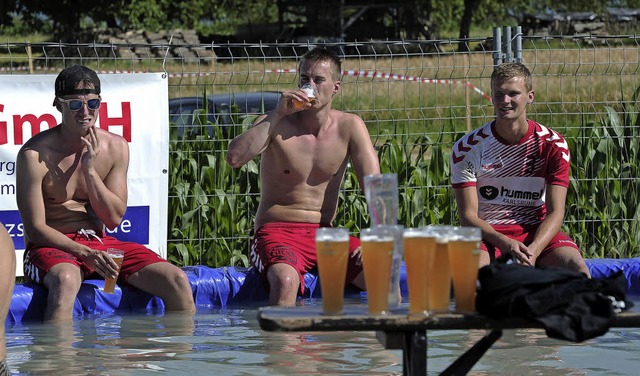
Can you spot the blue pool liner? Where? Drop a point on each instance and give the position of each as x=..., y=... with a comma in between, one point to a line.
x=228, y=286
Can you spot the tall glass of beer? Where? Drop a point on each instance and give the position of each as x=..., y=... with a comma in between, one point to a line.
x=440, y=283
x=464, y=257
x=419, y=252
x=377, y=254
x=332, y=249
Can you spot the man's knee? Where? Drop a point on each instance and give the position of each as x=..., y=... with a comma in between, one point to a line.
x=283, y=276
x=170, y=277
x=181, y=298
x=65, y=279
x=484, y=259
x=284, y=284
x=178, y=278
x=567, y=258
x=63, y=282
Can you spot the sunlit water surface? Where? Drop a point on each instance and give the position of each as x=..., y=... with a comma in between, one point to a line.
x=230, y=342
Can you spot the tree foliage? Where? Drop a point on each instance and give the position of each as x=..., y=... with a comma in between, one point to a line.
x=68, y=19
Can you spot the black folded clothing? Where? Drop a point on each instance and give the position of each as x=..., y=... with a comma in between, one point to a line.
x=568, y=304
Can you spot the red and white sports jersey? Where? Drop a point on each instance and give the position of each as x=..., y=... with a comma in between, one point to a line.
x=511, y=180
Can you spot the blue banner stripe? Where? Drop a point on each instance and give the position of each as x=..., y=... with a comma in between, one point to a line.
x=133, y=228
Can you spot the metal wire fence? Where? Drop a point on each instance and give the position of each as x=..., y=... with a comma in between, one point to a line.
x=412, y=94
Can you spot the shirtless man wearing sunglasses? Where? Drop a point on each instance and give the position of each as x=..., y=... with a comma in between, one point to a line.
x=71, y=184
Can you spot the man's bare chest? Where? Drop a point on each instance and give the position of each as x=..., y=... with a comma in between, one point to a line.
x=61, y=185
x=312, y=156
x=66, y=181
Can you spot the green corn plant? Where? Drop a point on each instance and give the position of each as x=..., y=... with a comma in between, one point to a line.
x=210, y=204
x=602, y=210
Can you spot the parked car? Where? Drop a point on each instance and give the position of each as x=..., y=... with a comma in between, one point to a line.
x=223, y=110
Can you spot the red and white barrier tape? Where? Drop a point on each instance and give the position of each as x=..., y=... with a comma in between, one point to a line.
x=350, y=73
x=398, y=77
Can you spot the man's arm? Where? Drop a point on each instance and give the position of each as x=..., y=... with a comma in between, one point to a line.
x=363, y=156
x=255, y=140
x=467, y=202
x=364, y=160
x=108, y=197
x=556, y=196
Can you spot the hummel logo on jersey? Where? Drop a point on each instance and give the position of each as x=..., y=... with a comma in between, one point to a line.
x=488, y=192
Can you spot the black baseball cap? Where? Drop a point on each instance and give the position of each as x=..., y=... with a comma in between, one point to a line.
x=70, y=77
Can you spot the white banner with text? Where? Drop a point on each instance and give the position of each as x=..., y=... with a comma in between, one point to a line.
x=135, y=106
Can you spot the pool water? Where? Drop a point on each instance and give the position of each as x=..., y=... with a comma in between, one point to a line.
x=230, y=342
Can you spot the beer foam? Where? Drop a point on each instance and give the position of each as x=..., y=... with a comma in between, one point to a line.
x=331, y=238
x=417, y=233
x=376, y=238
x=309, y=92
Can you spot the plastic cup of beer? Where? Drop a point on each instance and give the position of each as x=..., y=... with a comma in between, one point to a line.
x=464, y=257
x=332, y=249
x=311, y=95
x=377, y=255
x=440, y=282
x=419, y=251
x=109, y=283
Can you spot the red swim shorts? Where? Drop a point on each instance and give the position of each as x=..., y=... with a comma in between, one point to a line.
x=39, y=260
x=525, y=236
x=293, y=244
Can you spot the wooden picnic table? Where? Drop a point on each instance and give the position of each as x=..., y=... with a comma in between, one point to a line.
x=398, y=330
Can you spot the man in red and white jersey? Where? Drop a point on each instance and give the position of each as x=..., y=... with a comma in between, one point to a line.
x=510, y=179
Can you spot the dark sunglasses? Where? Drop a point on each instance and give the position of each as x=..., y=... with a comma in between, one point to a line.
x=76, y=104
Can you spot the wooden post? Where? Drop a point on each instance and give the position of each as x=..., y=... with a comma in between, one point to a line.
x=467, y=107
x=466, y=93
x=30, y=58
